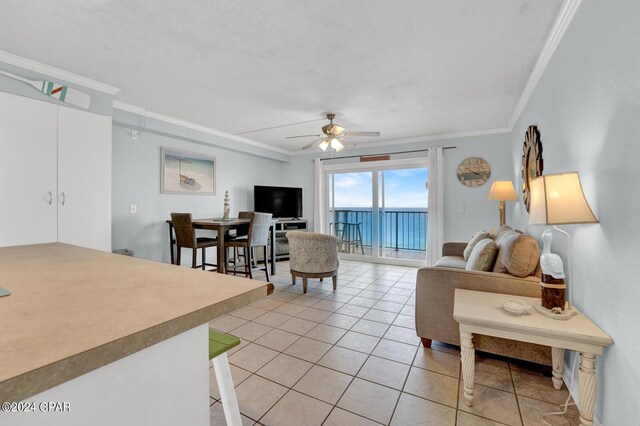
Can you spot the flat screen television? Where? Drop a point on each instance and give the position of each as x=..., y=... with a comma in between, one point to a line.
x=281, y=201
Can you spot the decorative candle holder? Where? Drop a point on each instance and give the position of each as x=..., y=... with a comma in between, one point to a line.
x=225, y=215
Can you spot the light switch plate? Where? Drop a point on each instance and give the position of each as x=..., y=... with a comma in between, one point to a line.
x=133, y=208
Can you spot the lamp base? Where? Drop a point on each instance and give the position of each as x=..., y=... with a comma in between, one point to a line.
x=501, y=211
x=563, y=315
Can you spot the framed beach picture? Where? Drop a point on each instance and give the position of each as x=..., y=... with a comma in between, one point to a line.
x=185, y=172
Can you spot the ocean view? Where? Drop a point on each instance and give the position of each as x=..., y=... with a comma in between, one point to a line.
x=403, y=228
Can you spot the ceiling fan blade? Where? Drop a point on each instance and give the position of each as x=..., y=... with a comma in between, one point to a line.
x=303, y=136
x=361, y=133
x=347, y=143
x=311, y=144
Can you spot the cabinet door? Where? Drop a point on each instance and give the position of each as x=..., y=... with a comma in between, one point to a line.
x=27, y=171
x=84, y=179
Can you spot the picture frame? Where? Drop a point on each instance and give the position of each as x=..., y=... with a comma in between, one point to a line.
x=187, y=172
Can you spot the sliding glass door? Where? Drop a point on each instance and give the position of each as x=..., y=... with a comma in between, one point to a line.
x=379, y=211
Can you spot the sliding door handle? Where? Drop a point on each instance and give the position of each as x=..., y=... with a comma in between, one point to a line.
x=63, y=198
x=50, y=200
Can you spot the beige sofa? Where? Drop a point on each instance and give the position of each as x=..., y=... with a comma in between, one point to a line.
x=435, y=288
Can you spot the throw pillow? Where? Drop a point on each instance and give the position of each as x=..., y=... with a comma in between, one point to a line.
x=518, y=255
x=482, y=256
x=480, y=235
x=495, y=232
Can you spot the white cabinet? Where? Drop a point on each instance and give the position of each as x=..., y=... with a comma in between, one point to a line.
x=28, y=171
x=55, y=174
x=84, y=179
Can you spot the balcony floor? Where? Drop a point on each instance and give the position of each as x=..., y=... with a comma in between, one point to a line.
x=420, y=255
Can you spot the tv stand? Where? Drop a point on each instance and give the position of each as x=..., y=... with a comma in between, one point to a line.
x=282, y=244
x=282, y=226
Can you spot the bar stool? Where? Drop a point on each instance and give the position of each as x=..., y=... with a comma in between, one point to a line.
x=258, y=237
x=219, y=344
x=352, y=237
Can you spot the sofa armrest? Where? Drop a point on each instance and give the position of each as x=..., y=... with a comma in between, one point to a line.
x=453, y=249
x=435, y=289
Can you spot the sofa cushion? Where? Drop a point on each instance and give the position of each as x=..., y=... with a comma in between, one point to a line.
x=483, y=256
x=518, y=255
x=480, y=235
x=451, y=262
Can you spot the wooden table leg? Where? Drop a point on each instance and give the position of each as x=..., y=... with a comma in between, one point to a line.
x=221, y=253
x=273, y=250
x=557, y=359
x=171, y=243
x=587, y=387
x=468, y=356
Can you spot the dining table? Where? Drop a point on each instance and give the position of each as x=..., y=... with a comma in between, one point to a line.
x=222, y=226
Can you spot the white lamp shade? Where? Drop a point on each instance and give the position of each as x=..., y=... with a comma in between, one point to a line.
x=324, y=145
x=502, y=190
x=558, y=199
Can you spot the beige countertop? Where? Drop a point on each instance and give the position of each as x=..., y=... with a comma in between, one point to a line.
x=73, y=310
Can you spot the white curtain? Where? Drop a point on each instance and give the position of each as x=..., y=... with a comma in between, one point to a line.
x=435, y=223
x=318, y=199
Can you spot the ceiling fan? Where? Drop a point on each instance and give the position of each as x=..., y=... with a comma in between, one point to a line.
x=334, y=136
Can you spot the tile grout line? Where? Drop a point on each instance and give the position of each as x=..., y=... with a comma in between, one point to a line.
x=332, y=346
x=326, y=295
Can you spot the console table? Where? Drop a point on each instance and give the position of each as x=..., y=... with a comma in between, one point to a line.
x=482, y=313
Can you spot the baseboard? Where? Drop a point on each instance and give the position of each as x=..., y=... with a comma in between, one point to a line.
x=573, y=388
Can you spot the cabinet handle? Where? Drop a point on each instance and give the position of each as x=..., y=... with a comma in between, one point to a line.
x=50, y=198
x=64, y=198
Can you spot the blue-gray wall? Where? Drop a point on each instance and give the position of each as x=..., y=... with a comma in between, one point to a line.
x=101, y=103
x=466, y=210
x=587, y=108
x=136, y=180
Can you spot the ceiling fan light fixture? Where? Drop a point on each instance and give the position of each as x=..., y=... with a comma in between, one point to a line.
x=336, y=144
x=324, y=145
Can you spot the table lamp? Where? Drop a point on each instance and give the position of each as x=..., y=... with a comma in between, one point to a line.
x=557, y=199
x=502, y=190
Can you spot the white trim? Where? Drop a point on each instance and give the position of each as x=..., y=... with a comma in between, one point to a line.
x=573, y=387
x=193, y=126
x=374, y=167
x=381, y=165
x=414, y=139
x=56, y=73
x=559, y=27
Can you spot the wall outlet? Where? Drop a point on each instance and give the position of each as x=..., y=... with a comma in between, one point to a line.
x=133, y=208
x=461, y=209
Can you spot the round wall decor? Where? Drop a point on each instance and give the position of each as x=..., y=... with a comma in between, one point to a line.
x=532, y=163
x=473, y=171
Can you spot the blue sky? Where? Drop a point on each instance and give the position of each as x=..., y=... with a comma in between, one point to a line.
x=403, y=188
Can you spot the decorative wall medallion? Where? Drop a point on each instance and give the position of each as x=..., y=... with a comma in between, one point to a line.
x=532, y=164
x=473, y=171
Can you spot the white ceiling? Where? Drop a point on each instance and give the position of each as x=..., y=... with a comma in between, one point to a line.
x=407, y=69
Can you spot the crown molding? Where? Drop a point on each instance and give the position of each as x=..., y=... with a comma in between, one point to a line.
x=415, y=139
x=561, y=24
x=193, y=126
x=56, y=73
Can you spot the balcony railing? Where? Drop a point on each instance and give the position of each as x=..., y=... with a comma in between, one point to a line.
x=403, y=229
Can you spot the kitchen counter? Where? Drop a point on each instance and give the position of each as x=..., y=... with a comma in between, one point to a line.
x=74, y=310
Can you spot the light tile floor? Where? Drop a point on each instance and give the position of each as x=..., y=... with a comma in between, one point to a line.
x=351, y=357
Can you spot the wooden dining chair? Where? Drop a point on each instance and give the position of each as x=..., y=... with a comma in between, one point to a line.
x=258, y=236
x=186, y=238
